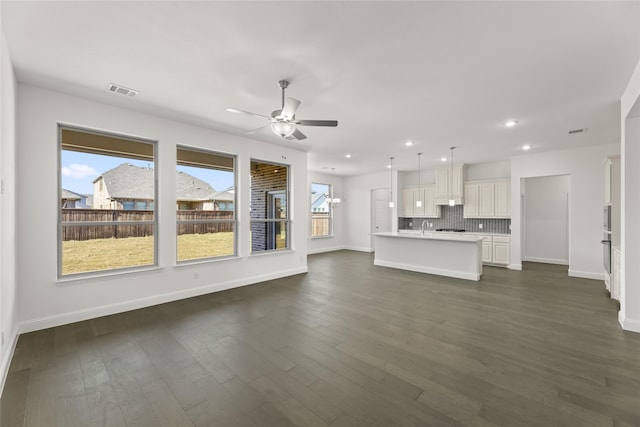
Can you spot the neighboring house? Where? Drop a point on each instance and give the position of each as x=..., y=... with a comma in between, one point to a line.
x=319, y=202
x=130, y=187
x=72, y=200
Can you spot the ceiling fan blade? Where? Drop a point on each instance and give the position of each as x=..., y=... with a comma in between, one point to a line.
x=249, y=113
x=289, y=109
x=332, y=123
x=297, y=135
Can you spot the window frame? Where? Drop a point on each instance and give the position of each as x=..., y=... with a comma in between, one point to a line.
x=270, y=222
x=233, y=221
x=61, y=225
x=329, y=212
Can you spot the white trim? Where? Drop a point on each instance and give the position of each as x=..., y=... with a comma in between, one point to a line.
x=547, y=260
x=358, y=248
x=586, y=274
x=105, y=310
x=428, y=270
x=515, y=267
x=6, y=361
x=321, y=250
x=632, y=325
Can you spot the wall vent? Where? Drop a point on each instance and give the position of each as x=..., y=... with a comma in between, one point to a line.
x=571, y=132
x=122, y=90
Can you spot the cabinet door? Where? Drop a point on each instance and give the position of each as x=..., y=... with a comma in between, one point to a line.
x=418, y=194
x=503, y=199
x=487, y=250
x=442, y=182
x=501, y=253
x=486, y=200
x=607, y=181
x=431, y=210
x=407, y=202
x=457, y=181
x=470, y=207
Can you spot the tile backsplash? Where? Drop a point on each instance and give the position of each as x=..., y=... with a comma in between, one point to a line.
x=452, y=217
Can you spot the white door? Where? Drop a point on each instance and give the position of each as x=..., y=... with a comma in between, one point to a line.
x=380, y=212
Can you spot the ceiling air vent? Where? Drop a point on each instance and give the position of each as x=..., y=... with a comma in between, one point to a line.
x=574, y=131
x=122, y=90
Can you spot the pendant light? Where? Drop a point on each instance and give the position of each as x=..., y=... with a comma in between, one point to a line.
x=391, y=181
x=333, y=200
x=452, y=200
x=419, y=201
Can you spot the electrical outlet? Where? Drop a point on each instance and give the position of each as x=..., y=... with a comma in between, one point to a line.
x=410, y=224
x=430, y=224
x=2, y=338
x=480, y=226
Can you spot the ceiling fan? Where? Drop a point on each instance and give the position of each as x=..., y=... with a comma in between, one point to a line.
x=283, y=122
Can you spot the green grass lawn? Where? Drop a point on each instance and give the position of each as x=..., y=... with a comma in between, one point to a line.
x=107, y=254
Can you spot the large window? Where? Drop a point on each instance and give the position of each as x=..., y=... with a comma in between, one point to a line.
x=321, y=210
x=205, y=199
x=107, y=191
x=269, y=206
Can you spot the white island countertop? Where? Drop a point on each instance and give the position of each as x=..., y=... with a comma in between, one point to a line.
x=445, y=254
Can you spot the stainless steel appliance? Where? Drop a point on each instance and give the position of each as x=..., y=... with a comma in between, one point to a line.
x=607, y=218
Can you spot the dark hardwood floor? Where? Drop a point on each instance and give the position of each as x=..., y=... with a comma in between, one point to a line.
x=347, y=344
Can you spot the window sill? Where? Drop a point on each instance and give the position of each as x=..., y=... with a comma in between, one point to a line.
x=321, y=237
x=271, y=252
x=92, y=276
x=201, y=261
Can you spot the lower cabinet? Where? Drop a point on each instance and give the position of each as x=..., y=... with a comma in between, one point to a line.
x=496, y=250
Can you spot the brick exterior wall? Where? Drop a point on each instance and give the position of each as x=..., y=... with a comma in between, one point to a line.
x=264, y=179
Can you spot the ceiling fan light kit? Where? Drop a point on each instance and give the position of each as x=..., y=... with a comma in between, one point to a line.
x=283, y=121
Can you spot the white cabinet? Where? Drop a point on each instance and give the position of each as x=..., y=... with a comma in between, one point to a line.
x=449, y=184
x=608, y=170
x=616, y=271
x=426, y=194
x=496, y=249
x=501, y=250
x=487, y=199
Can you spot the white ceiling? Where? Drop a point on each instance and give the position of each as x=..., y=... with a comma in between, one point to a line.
x=439, y=73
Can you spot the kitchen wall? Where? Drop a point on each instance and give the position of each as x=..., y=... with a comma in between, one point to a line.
x=45, y=301
x=452, y=217
x=8, y=285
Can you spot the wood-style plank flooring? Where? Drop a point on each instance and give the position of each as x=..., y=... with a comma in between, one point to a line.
x=348, y=344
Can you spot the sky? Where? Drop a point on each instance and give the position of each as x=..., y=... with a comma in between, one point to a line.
x=78, y=171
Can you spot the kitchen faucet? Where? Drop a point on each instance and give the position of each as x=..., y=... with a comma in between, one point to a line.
x=422, y=226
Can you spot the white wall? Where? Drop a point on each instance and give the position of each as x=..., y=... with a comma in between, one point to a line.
x=586, y=170
x=45, y=301
x=629, y=315
x=357, y=215
x=335, y=242
x=546, y=219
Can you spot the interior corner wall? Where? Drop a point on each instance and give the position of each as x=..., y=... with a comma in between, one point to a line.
x=45, y=301
x=335, y=242
x=8, y=286
x=357, y=215
x=586, y=169
x=629, y=315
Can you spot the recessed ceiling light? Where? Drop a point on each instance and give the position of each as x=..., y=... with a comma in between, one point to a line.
x=526, y=147
x=510, y=123
x=348, y=156
x=408, y=143
x=388, y=166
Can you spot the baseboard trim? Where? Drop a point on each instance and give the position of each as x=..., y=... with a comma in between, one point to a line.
x=358, y=248
x=6, y=361
x=586, y=274
x=428, y=270
x=547, y=260
x=106, y=310
x=631, y=325
x=515, y=267
x=323, y=250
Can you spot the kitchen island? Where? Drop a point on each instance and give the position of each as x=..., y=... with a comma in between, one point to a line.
x=444, y=254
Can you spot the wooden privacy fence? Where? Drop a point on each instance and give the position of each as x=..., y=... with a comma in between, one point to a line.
x=320, y=225
x=115, y=230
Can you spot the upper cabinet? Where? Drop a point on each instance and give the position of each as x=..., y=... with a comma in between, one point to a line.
x=487, y=199
x=425, y=194
x=449, y=184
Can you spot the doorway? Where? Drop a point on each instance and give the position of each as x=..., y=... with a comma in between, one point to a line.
x=277, y=210
x=545, y=219
x=380, y=213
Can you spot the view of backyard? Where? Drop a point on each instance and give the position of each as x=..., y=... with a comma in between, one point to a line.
x=106, y=254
